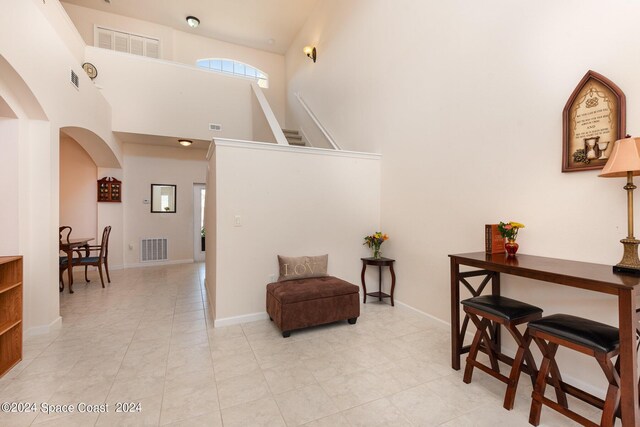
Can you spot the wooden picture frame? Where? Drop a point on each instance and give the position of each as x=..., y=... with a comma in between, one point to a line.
x=592, y=120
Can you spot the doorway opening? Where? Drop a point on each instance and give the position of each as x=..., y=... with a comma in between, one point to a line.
x=199, y=232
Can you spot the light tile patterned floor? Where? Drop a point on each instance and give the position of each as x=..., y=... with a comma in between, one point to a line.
x=148, y=338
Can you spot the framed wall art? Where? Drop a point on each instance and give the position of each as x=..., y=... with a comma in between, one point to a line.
x=592, y=120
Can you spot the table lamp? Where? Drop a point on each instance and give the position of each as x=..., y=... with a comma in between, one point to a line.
x=625, y=161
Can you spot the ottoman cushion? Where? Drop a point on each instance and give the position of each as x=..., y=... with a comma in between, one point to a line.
x=305, y=289
x=296, y=304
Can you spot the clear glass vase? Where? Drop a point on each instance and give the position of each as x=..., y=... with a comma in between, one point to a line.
x=377, y=253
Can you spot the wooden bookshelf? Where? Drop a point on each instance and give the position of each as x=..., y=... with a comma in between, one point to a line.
x=10, y=312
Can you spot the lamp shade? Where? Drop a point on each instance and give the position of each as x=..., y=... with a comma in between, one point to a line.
x=625, y=157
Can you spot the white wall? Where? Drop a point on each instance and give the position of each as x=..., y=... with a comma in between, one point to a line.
x=210, y=225
x=148, y=164
x=291, y=201
x=85, y=19
x=41, y=43
x=169, y=99
x=464, y=99
x=9, y=216
x=187, y=48
x=112, y=214
x=46, y=102
x=78, y=175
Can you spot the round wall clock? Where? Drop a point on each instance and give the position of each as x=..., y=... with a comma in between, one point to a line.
x=90, y=69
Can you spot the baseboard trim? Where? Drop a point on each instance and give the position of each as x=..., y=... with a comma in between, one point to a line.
x=158, y=263
x=44, y=329
x=235, y=320
x=406, y=306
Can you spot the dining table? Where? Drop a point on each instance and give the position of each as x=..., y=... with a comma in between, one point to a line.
x=68, y=247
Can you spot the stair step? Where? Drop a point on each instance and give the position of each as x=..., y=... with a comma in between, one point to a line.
x=293, y=137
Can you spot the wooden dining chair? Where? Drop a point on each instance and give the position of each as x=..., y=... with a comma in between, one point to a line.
x=97, y=261
x=64, y=233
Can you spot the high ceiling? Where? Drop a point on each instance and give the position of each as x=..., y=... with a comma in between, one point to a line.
x=269, y=25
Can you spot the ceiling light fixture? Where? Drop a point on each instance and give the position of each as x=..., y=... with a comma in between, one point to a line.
x=310, y=52
x=193, y=21
x=185, y=142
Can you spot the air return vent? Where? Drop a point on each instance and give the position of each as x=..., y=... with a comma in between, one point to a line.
x=74, y=80
x=153, y=249
x=213, y=126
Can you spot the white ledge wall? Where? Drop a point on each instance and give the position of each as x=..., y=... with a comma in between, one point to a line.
x=156, y=97
x=291, y=201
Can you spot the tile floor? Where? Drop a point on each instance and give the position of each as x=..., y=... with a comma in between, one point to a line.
x=148, y=338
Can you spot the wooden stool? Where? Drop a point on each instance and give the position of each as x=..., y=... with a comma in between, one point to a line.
x=484, y=310
x=586, y=336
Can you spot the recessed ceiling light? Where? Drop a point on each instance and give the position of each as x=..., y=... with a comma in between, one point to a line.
x=185, y=142
x=193, y=21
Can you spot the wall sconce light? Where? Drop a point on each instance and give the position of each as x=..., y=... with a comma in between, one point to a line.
x=310, y=52
x=185, y=142
x=192, y=21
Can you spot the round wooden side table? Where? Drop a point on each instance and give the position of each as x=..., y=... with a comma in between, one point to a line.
x=380, y=262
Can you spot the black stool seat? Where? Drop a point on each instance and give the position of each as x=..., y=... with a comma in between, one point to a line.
x=488, y=312
x=594, y=335
x=506, y=308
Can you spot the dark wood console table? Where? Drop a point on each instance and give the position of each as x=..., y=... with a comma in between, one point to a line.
x=593, y=277
x=380, y=262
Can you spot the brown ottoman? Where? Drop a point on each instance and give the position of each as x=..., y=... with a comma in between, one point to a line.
x=295, y=304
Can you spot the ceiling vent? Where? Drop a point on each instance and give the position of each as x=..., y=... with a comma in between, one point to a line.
x=74, y=80
x=213, y=126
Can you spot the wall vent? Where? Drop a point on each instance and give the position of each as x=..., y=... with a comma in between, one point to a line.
x=153, y=249
x=74, y=80
x=213, y=126
x=121, y=41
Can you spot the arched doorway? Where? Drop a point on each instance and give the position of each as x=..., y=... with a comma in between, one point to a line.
x=84, y=158
x=27, y=215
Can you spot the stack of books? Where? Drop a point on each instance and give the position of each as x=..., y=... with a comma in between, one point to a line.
x=493, y=241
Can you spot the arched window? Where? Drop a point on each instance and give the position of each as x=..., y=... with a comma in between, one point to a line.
x=235, y=68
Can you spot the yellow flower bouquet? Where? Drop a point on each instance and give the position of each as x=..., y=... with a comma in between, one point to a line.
x=374, y=241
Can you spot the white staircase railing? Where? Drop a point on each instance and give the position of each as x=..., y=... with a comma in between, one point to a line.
x=313, y=117
x=268, y=114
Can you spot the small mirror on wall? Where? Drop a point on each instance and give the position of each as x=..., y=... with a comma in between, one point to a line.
x=163, y=198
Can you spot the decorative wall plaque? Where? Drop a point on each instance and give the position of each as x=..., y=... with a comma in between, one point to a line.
x=109, y=190
x=592, y=120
